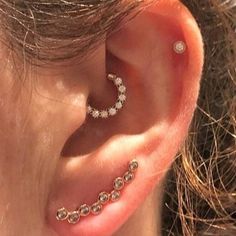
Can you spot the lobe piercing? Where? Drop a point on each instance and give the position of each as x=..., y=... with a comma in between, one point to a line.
x=179, y=47
x=113, y=110
x=103, y=198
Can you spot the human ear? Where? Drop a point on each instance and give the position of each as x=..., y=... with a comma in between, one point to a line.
x=162, y=89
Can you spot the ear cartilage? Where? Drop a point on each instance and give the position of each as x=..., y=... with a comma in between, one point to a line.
x=104, y=198
x=113, y=110
x=179, y=47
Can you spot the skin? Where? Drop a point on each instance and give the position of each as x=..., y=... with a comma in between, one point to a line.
x=53, y=156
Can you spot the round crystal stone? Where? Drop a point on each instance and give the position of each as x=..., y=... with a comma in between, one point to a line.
x=112, y=111
x=115, y=195
x=103, y=197
x=118, y=81
x=104, y=114
x=119, y=105
x=73, y=217
x=122, y=97
x=122, y=89
x=111, y=76
x=95, y=114
x=128, y=176
x=96, y=208
x=84, y=210
x=62, y=214
x=133, y=165
x=118, y=183
x=89, y=109
x=179, y=47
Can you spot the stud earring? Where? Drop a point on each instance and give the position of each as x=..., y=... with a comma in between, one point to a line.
x=113, y=110
x=179, y=47
x=103, y=198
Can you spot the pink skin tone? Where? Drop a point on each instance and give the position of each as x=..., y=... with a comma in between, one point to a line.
x=43, y=166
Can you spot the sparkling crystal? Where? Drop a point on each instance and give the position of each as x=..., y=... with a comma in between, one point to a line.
x=104, y=114
x=95, y=114
x=118, y=81
x=111, y=76
x=119, y=105
x=133, y=165
x=89, y=109
x=128, y=176
x=62, y=214
x=112, y=111
x=122, y=97
x=115, y=195
x=122, y=89
x=179, y=47
x=118, y=183
x=96, y=208
x=73, y=217
x=84, y=210
x=103, y=197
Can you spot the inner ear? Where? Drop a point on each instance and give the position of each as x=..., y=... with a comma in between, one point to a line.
x=131, y=120
x=146, y=67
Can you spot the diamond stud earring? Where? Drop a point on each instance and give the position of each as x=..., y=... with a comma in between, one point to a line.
x=179, y=47
x=113, y=110
x=103, y=198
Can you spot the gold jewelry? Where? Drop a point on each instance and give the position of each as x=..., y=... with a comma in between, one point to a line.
x=103, y=198
x=121, y=98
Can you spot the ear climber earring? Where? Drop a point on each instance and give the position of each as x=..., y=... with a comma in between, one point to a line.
x=113, y=110
x=179, y=47
x=103, y=198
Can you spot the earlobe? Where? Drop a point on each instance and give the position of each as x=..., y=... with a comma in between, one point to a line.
x=162, y=79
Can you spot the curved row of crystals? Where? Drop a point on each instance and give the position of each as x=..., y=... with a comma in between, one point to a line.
x=103, y=198
x=111, y=111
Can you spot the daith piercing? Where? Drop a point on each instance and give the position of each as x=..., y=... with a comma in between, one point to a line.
x=113, y=110
x=103, y=198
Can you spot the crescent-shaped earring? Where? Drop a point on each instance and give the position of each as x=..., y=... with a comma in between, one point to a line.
x=113, y=110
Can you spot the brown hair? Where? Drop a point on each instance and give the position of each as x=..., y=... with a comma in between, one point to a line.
x=201, y=189
x=200, y=195
x=50, y=31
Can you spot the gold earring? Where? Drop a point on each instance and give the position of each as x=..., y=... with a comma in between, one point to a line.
x=103, y=198
x=113, y=110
